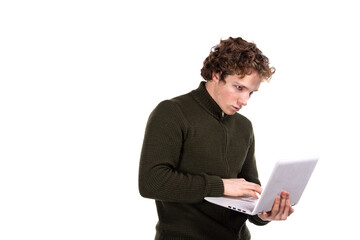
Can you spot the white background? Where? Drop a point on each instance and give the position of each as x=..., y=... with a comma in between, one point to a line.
x=78, y=80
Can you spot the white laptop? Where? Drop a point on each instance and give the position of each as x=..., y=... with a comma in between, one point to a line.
x=289, y=175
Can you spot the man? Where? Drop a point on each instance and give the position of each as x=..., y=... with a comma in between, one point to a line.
x=197, y=145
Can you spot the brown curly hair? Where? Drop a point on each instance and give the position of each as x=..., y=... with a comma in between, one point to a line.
x=236, y=56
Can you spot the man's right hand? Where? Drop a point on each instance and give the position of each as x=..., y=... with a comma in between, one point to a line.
x=240, y=187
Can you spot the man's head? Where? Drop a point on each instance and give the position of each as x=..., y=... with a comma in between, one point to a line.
x=234, y=70
x=236, y=56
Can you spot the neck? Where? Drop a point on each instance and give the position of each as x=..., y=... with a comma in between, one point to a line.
x=210, y=88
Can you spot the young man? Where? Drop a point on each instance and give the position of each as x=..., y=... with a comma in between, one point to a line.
x=197, y=145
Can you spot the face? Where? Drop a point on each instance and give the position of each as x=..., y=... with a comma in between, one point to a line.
x=233, y=93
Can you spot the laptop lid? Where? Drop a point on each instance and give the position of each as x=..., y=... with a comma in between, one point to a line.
x=289, y=175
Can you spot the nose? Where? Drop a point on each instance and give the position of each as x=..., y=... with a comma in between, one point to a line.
x=242, y=100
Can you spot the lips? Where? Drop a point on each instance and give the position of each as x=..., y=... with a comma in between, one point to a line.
x=236, y=108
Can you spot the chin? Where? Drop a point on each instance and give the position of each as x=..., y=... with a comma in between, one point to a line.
x=231, y=112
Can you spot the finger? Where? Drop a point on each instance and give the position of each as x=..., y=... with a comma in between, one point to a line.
x=286, y=212
x=276, y=207
x=254, y=187
x=251, y=193
x=256, y=190
x=265, y=216
x=282, y=205
x=251, y=186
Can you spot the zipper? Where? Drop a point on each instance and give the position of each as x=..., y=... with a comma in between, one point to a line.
x=227, y=167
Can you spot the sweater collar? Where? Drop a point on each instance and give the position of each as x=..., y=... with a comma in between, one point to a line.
x=203, y=97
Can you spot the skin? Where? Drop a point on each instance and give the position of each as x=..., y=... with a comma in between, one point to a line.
x=231, y=95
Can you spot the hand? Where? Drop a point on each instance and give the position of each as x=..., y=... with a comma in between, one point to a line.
x=281, y=209
x=239, y=187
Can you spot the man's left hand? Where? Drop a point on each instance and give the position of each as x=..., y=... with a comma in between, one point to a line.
x=281, y=209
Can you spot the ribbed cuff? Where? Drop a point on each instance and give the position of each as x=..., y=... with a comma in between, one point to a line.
x=257, y=221
x=214, y=186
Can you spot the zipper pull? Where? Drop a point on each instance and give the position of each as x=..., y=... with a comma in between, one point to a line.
x=222, y=114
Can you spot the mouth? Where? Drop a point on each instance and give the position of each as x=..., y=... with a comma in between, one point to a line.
x=236, y=108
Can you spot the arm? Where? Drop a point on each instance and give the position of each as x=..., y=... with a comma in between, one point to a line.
x=159, y=177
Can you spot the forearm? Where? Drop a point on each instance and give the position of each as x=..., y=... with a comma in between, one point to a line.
x=166, y=184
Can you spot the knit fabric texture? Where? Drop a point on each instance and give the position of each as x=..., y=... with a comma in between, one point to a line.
x=189, y=146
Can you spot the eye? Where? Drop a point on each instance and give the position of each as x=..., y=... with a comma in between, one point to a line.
x=251, y=93
x=238, y=87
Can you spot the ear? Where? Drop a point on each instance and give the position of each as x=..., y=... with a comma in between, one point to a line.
x=215, y=77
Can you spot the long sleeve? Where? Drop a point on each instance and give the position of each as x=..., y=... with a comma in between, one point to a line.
x=189, y=146
x=159, y=177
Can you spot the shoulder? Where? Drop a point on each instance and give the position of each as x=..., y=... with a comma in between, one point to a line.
x=176, y=106
x=165, y=110
x=168, y=112
x=164, y=107
x=173, y=103
x=183, y=100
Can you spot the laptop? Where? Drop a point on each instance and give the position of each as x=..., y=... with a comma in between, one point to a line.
x=289, y=175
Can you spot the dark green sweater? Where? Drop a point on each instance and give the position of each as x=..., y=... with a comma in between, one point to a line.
x=189, y=145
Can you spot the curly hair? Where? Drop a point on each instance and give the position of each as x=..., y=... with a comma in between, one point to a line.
x=236, y=56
